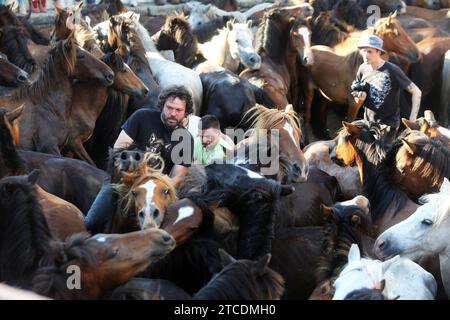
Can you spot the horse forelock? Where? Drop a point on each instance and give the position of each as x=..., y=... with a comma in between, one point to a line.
x=10, y=161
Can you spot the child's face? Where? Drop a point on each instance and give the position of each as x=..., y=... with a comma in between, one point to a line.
x=210, y=137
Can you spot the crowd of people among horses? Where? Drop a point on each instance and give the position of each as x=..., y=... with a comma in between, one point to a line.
x=192, y=157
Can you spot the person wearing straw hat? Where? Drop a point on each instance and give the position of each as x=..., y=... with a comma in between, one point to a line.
x=378, y=84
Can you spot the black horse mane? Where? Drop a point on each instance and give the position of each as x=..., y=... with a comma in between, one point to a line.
x=51, y=278
x=350, y=12
x=272, y=35
x=197, y=258
x=328, y=31
x=176, y=34
x=10, y=161
x=13, y=43
x=241, y=280
x=106, y=58
x=340, y=233
x=24, y=233
x=380, y=188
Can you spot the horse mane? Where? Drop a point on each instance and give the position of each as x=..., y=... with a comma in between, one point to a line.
x=178, y=29
x=60, y=62
x=339, y=236
x=354, y=59
x=240, y=281
x=350, y=12
x=10, y=161
x=326, y=30
x=375, y=149
x=106, y=58
x=14, y=45
x=217, y=45
x=379, y=187
x=265, y=118
x=271, y=37
x=135, y=179
x=432, y=159
x=51, y=278
x=24, y=233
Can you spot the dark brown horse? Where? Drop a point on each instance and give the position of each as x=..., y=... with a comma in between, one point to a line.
x=13, y=43
x=362, y=143
x=47, y=101
x=103, y=262
x=10, y=74
x=283, y=42
x=87, y=107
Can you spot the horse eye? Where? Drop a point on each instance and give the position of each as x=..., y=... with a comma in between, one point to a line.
x=166, y=192
x=427, y=222
x=134, y=193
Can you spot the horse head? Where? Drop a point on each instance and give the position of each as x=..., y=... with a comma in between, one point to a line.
x=240, y=44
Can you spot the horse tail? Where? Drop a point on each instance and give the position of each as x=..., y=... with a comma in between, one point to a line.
x=262, y=97
x=445, y=91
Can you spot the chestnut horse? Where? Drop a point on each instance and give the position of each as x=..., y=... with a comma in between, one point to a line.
x=283, y=39
x=47, y=101
x=105, y=261
x=142, y=202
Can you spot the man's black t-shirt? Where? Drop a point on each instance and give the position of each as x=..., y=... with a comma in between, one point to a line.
x=382, y=102
x=148, y=131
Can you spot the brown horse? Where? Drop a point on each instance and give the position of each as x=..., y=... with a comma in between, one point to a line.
x=103, y=261
x=62, y=217
x=143, y=200
x=96, y=12
x=10, y=74
x=283, y=42
x=395, y=39
x=427, y=75
x=422, y=164
x=47, y=101
x=362, y=143
x=86, y=108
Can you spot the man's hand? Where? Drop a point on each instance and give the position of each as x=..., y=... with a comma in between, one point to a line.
x=416, y=97
x=359, y=96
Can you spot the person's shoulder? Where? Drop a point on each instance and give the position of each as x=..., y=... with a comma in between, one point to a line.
x=392, y=66
x=146, y=112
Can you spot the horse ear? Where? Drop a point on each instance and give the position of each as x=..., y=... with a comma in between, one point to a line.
x=249, y=23
x=14, y=114
x=229, y=25
x=411, y=125
x=33, y=176
x=429, y=116
x=58, y=9
x=445, y=187
x=11, y=5
x=225, y=258
x=262, y=264
x=351, y=128
x=394, y=15
x=291, y=20
x=410, y=147
x=78, y=6
x=354, y=254
x=289, y=108
x=325, y=210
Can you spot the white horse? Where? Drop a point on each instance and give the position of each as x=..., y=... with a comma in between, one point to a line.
x=425, y=233
x=397, y=278
x=232, y=45
x=166, y=73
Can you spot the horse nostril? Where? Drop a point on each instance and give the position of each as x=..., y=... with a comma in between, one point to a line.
x=167, y=237
x=381, y=244
x=110, y=77
x=22, y=77
x=123, y=156
x=137, y=156
x=145, y=92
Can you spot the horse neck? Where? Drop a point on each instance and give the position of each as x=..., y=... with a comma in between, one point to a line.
x=11, y=163
x=217, y=50
x=28, y=235
x=95, y=94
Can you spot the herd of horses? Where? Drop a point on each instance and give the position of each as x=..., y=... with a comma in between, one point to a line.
x=329, y=223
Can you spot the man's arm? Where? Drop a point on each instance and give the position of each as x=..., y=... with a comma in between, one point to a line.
x=177, y=175
x=416, y=97
x=123, y=141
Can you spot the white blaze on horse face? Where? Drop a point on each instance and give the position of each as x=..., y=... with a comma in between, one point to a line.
x=149, y=205
x=359, y=201
x=306, y=34
x=287, y=126
x=184, y=212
